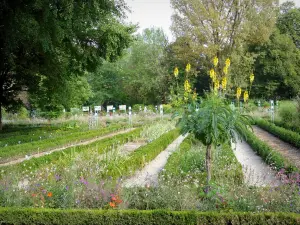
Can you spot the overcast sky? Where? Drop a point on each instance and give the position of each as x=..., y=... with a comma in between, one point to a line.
x=155, y=13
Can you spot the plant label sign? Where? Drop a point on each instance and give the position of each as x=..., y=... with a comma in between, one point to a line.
x=97, y=108
x=122, y=107
x=85, y=108
x=161, y=109
x=109, y=107
x=258, y=103
x=272, y=104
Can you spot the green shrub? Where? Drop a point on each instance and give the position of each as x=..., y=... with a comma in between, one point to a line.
x=282, y=133
x=132, y=217
x=271, y=157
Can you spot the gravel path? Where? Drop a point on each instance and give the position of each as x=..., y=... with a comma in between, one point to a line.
x=256, y=171
x=40, y=154
x=149, y=174
x=288, y=151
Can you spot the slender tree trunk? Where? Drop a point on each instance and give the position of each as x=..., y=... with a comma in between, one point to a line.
x=208, y=163
x=0, y=115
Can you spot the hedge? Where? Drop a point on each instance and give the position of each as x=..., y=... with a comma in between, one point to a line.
x=269, y=155
x=280, y=132
x=291, y=127
x=137, y=217
x=102, y=146
x=143, y=155
x=7, y=153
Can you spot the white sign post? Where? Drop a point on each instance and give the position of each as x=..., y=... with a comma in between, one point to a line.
x=109, y=108
x=129, y=115
x=272, y=110
x=161, y=111
x=85, y=108
x=97, y=108
x=122, y=107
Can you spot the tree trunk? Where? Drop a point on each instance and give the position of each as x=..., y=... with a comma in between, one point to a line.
x=0, y=116
x=208, y=163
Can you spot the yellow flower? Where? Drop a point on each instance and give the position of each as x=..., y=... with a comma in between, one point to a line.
x=251, y=78
x=224, y=83
x=187, y=86
x=216, y=85
x=215, y=61
x=212, y=74
x=238, y=92
x=246, y=96
x=176, y=72
x=188, y=67
x=227, y=62
x=225, y=70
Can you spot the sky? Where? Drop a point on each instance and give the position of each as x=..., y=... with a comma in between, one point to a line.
x=156, y=13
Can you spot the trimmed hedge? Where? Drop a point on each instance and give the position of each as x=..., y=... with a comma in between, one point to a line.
x=102, y=146
x=293, y=127
x=269, y=155
x=143, y=155
x=137, y=217
x=280, y=132
x=16, y=151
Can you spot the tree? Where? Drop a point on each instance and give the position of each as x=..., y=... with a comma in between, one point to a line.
x=214, y=123
x=141, y=75
x=277, y=68
x=219, y=28
x=50, y=40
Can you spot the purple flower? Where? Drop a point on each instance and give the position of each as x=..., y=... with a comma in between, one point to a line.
x=57, y=177
x=67, y=187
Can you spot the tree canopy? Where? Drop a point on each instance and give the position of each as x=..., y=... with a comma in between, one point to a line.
x=49, y=41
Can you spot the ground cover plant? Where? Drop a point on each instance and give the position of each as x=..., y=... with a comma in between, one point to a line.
x=19, y=150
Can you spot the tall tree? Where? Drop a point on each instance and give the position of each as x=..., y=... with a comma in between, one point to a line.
x=218, y=28
x=51, y=40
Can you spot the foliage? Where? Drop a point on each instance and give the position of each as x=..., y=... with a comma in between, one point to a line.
x=140, y=77
x=270, y=156
x=214, y=123
x=42, y=47
x=50, y=143
x=99, y=146
x=143, y=155
x=282, y=133
x=80, y=216
x=277, y=67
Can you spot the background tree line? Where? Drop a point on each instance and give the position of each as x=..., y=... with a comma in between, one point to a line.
x=63, y=54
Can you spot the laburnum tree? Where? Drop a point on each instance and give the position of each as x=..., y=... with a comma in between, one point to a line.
x=43, y=43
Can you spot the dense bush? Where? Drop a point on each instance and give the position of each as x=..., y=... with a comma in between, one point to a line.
x=293, y=127
x=132, y=217
x=282, y=133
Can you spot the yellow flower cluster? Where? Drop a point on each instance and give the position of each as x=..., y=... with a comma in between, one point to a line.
x=216, y=85
x=176, y=72
x=188, y=68
x=251, y=78
x=238, y=92
x=224, y=83
x=212, y=75
x=227, y=63
x=246, y=96
x=194, y=97
x=215, y=61
x=187, y=86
